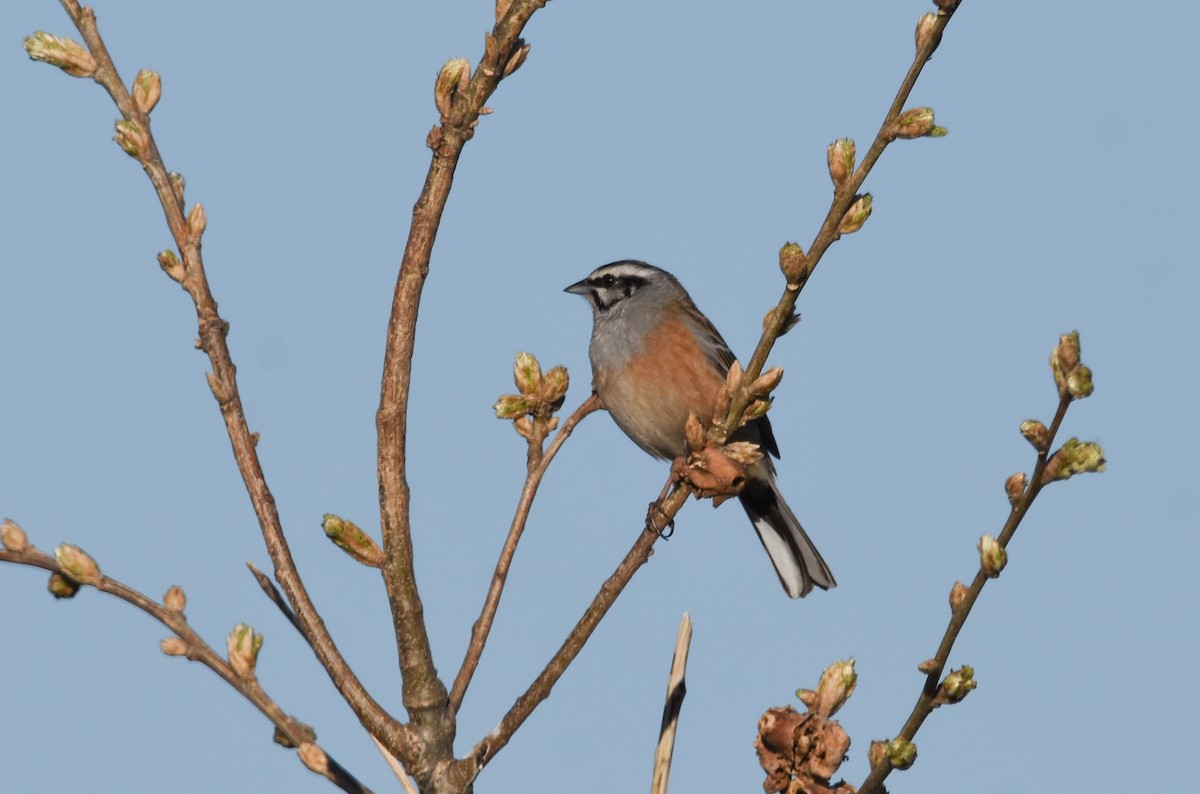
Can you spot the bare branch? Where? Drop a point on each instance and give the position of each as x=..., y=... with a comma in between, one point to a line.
x=538, y=463
x=425, y=696
x=196, y=649
x=187, y=232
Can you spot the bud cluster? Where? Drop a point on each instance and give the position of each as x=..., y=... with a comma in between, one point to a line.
x=1074, y=457
x=1073, y=379
x=540, y=396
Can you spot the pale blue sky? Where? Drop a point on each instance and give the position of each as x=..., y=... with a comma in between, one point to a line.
x=691, y=135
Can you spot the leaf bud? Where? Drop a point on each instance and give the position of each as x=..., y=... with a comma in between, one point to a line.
x=348, y=537
x=13, y=537
x=62, y=587
x=792, y=262
x=857, y=215
x=1014, y=487
x=132, y=138
x=314, y=758
x=453, y=77
x=901, y=753
x=518, y=57
x=958, y=684
x=175, y=599
x=992, y=556
x=197, y=221
x=925, y=28
x=75, y=564
x=147, y=88
x=243, y=646
x=66, y=54
x=171, y=265
x=958, y=594
x=1036, y=434
x=527, y=373
x=840, y=156
x=173, y=646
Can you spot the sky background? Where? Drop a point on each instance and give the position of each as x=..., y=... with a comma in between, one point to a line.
x=691, y=135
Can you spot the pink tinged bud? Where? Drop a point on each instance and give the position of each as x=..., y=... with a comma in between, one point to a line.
x=62, y=587
x=66, y=54
x=1064, y=359
x=877, y=753
x=792, y=262
x=1036, y=434
x=1014, y=487
x=527, y=373
x=765, y=383
x=901, y=753
x=518, y=58
x=173, y=646
x=175, y=599
x=554, y=387
x=958, y=594
x=348, y=537
x=453, y=77
x=928, y=666
x=992, y=556
x=75, y=564
x=147, y=88
x=916, y=123
x=857, y=215
x=243, y=645
x=314, y=758
x=958, y=684
x=13, y=537
x=836, y=685
x=197, y=221
x=132, y=138
x=925, y=27
x=840, y=155
x=171, y=265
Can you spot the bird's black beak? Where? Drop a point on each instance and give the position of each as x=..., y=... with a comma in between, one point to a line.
x=579, y=288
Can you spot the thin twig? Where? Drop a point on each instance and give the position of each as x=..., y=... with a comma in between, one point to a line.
x=676, y=690
x=537, y=470
x=198, y=651
x=779, y=318
x=276, y=598
x=539, y=690
x=223, y=382
x=927, y=701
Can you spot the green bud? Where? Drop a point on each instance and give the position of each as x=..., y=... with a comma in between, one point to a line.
x=453, y=77
x=243, y=645
x=992, y=556
x=147, y=88
x=511, y=406
x=857, y=215
x=62, y=587
x=75, y=564
x=527, y=373
x=1075, y=457
x=132, y=138
x=348, y=537
x=554, y=387
x=958, y=684
x=901, y=753
x=792, y=262
x=66, y=54
x=840, y=156
x=837, y=684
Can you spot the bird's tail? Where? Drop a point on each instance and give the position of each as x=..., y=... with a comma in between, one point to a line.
x=796, y=560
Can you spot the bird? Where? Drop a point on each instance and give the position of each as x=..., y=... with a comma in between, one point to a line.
x=656, y=359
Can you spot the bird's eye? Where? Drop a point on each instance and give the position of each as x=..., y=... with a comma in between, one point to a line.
x=607, y=280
